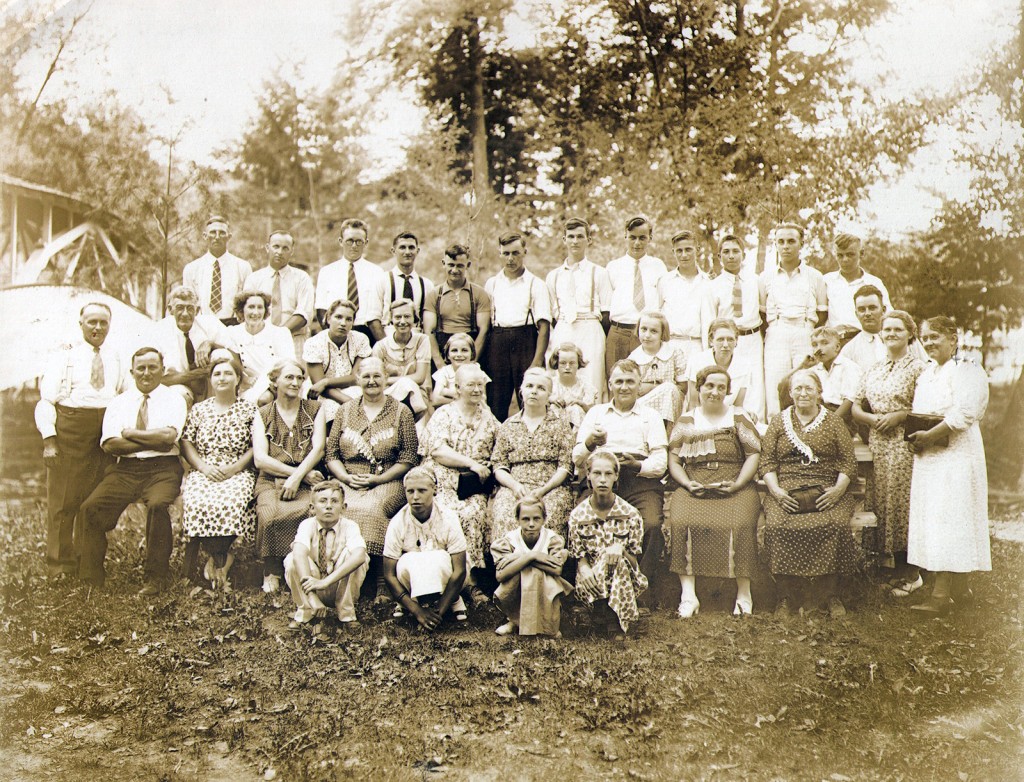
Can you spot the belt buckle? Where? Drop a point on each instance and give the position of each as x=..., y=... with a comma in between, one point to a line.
x=711, y=465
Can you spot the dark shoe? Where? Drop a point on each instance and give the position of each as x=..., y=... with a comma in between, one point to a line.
x=782, y=609
x=933, y=607
x=836, y=609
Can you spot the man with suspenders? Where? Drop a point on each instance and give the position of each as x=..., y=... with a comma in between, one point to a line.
x=456, y=306
x=402, y=282
x=521, y=316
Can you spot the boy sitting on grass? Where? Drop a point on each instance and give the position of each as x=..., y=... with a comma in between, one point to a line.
x=328, y=560
x=425, y=554
x=528, y=564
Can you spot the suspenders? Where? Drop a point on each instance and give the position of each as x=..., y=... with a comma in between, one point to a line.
x=593, y=287
x=473, y=330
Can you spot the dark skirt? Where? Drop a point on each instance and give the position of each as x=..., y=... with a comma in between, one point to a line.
x=278, y=520
x=810, y=544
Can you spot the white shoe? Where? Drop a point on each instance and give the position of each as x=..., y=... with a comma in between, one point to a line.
x=744, y=607
x=271, y=584
x=507, y=629
x=689, y=608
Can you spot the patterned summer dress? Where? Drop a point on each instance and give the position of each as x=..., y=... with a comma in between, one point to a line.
x=570, y=399
x=666, y=368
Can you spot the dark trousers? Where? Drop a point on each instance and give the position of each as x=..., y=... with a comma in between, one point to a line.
x=647, y=495
x=79, y=469
x=508, y=355
x=156, y=482
x=366, y=330
x=622, y=340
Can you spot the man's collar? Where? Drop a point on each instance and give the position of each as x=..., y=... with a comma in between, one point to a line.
x=612, y=407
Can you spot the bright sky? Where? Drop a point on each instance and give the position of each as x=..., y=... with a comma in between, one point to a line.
x=213, y=55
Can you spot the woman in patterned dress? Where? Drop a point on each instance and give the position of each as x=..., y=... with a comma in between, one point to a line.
x=371, y=447
x=949, y=493
x=406, y=357
x=724, y=335
x=662, y=368
x=458, y=440
x=216, y=498
x=713, y=455
x=333, y=355
x=806, y=446
x=260, y=344
x=533, y=457
x=288, y=438
x=888, y=387
x=606, y=538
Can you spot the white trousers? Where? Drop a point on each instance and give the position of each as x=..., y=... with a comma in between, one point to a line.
x=589, y=337
x=427, y=573
x=750, y=353
x=342, y=594
x=786, y=345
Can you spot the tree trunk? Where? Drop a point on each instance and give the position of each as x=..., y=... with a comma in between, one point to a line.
x=481, y=173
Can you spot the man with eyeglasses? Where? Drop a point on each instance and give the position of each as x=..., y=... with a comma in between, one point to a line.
x=185, y=339
x=217, y=276
x=354, y=278
x=634, y=278
x=456, y=306
x=521, y=324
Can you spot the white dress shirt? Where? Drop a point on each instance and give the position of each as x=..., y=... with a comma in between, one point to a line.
x=796, y=295
x=579, y=291
x=170, y=340
x=259, y=352
x=839, y=383
x=296, y=291
x=513, y=300
x=721, y=292
x=688, y=304
x=344, y=539
x=198, y=275
x=332, y=285
x=393, y=281
x=639, y=432
x=840, y=291
x=620, y=273
x=67, y=381
x=166, y=408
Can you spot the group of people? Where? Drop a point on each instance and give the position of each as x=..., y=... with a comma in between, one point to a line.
x=422, y=440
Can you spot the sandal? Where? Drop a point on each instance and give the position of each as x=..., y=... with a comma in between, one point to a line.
x=907, y=588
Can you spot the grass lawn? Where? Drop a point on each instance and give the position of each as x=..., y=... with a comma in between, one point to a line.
x=198, y=686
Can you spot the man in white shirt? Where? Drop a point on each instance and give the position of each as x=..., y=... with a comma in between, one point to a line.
x=141, y=428
x=217, y=276
x=403, y=282
x=685, y=298
x=520, y=324
x=633, y=278
x=581, y=296
x=793, y=302
x=77, y=385
x=185, y=339
x=841, y=285
x=735, y=295
x=290, y=289
x=866, y=347
x=354, y=278
x=636, y=435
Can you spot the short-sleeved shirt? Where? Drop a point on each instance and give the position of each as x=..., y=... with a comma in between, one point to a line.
x=518, y=302
x=839, y=383
x=721, y=292
x=841, y=309
x=639, y=432
x=668, y=365
x=796, y=295
x=336, y=361
x=441, y=532
x=403, y=358
x=345, y=540
x=455, y=308
x=171, y=340
x=165, y=408
x=621, y=273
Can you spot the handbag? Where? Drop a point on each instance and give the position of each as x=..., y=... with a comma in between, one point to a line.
x=922, y=422
x=806, y=497
x=470, y=484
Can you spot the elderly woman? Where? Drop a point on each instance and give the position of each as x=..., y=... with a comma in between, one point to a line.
x=807, y=463
x=333, y=355
x=406, y=357
x=888, y=387
x=288, y=438
x=260, y=344
x=713, y=455
x=949, y=494
x=217, y=499
x=458, y=443
x=532, y=457
x=371, y=447
x=662, y=367
x=723, y=336
x=605, y=538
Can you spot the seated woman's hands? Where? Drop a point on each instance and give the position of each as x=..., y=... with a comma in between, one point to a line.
x=783, y=497
x=292, y=484
x=482, y=472
x=831, y=496
x=215, y=473
x=366, y=481
x=313, y=477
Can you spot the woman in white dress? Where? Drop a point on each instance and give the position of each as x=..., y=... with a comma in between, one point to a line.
x=260, y=343
x=949, y=491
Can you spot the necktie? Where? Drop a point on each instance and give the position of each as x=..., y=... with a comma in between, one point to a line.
x=190, y=352
x=96, y=376
x=638, y=289
x=142, y=419
x=275, y=300
x=323, y=560
x=407, y=287
x=353, y=287
x=216, y=300
x=737, y=299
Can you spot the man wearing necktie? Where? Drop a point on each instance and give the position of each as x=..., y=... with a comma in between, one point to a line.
x=290, y=289
x=402, y=282
x=76, y=387
x=633, y=279
x=218, y=275
x=354, y=278
x=141, y=428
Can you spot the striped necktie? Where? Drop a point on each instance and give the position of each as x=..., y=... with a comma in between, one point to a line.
x=737, y=299
x=96, y=379
x=639, y=300
x=216, y=299
x=353, y=287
